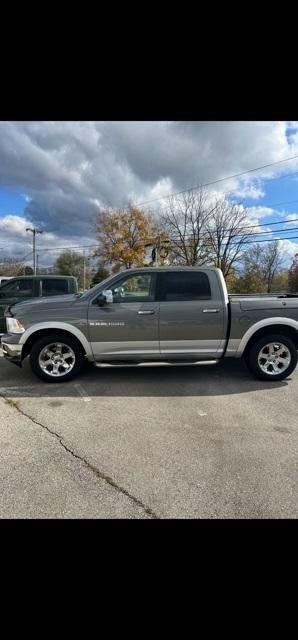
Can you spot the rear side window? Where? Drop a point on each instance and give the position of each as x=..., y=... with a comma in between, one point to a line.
x=180, y=286
x=52, y=287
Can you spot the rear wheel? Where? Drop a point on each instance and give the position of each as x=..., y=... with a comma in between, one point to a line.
x=56, y=358
x=272, y=357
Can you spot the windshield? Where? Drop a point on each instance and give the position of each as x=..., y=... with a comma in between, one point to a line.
x=96, y=287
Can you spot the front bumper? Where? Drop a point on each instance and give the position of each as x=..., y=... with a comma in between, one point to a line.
x=11, y=350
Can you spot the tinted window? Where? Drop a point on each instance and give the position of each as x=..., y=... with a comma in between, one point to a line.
x=52, y=287
x=22, y=288
x=186, y=286
x=136, y=288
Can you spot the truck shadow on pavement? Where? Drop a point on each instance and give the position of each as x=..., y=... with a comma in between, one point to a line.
x=227, y=378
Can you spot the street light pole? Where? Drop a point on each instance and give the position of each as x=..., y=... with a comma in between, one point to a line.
x=34, y=232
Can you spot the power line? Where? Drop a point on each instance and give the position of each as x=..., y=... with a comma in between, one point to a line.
x=270, y=240
x=26, y=256
x=209, y=244
x=95, y=246
x=272, y=204
x=79, y=246
x=263, y=204
x=253, y=226
x=240, y=235
x=208, y=184
x=283, y=222
x=265, y=224
x=205, y=245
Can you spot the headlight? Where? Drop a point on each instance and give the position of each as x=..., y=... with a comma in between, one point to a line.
x=14, y=326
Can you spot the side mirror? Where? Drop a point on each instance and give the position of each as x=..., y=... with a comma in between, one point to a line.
x=108, y=294
x=105, y=297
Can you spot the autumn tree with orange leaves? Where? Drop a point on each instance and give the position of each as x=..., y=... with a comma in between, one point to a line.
x=122, y=236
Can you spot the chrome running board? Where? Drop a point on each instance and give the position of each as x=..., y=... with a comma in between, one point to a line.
x=117, y=365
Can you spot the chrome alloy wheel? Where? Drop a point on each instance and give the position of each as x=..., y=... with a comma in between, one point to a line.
x=56, y=359
x=274, y=358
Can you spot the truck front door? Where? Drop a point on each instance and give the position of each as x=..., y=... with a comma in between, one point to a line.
x=128, y=326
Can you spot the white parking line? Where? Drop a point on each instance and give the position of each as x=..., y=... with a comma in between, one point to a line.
x=81, y=391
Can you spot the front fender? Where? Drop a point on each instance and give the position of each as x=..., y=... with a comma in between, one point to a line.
x=56, y=326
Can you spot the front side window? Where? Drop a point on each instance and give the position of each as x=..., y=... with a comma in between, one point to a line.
x=22, y=288
x=53, y=287
x=136, y=288
x=179, y=286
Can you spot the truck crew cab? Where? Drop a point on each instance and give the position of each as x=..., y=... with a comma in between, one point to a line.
x=163, y=316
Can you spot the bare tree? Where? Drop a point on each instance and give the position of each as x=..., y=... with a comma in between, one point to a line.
x=227, y=233
x=11, y=267
x=264, y=261
x=184, y=223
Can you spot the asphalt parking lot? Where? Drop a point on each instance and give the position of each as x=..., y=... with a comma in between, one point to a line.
x=184, y=442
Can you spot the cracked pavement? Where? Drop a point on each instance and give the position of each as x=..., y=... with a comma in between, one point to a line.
x=206, y=442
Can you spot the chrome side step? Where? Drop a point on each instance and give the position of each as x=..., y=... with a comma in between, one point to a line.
x=116, y=365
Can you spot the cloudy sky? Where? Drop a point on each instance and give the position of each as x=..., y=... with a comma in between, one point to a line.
x=56, y=175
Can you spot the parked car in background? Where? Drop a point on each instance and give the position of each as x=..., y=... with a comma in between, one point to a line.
x=4, y=279
x=26, y=287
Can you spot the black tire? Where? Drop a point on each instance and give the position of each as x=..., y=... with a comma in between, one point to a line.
x=253, y=354
x=76, y=364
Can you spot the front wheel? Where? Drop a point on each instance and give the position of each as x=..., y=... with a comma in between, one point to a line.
x=56, y=358
x=272, y=357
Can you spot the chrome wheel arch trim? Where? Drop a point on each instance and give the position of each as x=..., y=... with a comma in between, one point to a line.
x=56, y=326
x=288, y=322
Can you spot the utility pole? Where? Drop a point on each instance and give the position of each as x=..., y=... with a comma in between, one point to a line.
x=37, y=263
x=34, y=232
x=84, y=270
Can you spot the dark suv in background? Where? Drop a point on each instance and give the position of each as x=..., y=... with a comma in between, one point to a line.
x=26, y=287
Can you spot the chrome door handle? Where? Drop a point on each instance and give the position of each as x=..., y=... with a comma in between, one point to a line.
x=146, y=313
x=210, y=310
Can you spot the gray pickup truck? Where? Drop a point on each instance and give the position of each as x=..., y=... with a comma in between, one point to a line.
x=164, y=316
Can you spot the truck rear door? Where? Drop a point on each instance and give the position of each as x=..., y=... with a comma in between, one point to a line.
x=193, y=314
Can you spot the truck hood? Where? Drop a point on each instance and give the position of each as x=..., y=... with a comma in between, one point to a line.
x=52, y=302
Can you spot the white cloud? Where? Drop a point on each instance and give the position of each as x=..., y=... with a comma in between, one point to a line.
x=248, y=191
x=17, y=243
x=66, y=170
x=257, y=214
x=290, y=248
